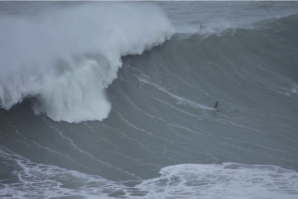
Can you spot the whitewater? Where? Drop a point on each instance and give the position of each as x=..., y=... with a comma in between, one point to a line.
x=116, y=100
x=67, y=58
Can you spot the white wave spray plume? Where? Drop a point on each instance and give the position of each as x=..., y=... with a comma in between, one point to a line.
x=66, y=58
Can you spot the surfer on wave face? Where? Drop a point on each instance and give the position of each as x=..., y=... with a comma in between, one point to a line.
x=216, y=106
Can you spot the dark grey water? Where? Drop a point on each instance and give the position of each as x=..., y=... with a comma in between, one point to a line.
x=115, y=100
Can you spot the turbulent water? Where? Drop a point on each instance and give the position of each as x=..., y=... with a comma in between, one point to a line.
x=116, y=100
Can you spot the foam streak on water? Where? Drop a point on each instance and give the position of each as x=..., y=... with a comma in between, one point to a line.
x=228, y=180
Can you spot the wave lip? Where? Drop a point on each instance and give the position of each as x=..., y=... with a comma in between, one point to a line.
x=66, y=59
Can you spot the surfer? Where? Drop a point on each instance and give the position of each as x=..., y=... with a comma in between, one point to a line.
x=202, y=27
x=216, y=106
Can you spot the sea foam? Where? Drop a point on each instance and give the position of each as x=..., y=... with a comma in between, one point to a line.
x=227, y=180
x=66, y=58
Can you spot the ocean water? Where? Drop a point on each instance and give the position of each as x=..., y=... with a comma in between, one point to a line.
x=116, y=100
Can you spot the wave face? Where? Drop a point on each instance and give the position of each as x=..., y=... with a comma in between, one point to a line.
x=66, y=58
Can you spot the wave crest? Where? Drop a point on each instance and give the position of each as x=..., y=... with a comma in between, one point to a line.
x=66, y=59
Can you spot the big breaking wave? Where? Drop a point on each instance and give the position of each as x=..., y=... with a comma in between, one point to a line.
x=65, y=59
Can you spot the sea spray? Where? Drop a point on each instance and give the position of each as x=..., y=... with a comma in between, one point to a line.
x=66, y=58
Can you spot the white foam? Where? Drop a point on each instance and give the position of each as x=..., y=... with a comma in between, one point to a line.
x=294, y=89
x=288, y=91
x=207, y=181
x=66, y=58
x=228, y=180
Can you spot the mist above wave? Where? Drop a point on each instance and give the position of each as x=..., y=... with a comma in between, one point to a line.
x=66, y=58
